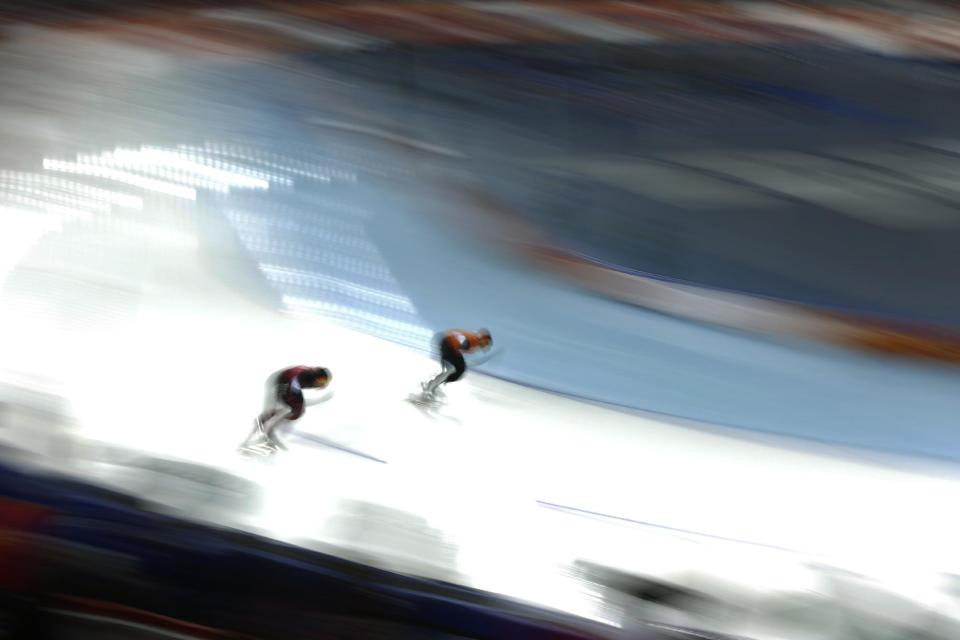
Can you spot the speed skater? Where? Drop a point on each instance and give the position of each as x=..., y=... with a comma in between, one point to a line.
x=453, y=344
x=285, y=402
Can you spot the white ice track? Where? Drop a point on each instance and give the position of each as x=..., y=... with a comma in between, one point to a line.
x=186, y=385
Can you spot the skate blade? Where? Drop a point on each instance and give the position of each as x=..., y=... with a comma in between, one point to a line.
x=420, y=399
x=257, y=450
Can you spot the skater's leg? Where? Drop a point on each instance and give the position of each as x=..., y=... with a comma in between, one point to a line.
x=263, y=426
x=431, y=386
x=274, y=441
x=454, y=366
x=270, y=429
x=257, y=432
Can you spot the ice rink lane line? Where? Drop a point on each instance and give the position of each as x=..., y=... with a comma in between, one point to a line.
x=661, y=527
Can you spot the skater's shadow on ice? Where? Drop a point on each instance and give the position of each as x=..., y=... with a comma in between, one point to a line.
x=336, y=446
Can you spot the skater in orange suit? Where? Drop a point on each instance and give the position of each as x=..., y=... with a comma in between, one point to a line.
x=453, y=345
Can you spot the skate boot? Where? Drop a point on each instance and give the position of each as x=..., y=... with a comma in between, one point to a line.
x=426, y=392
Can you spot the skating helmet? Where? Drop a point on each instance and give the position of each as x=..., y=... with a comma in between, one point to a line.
x=318, y=377
x=485, y=337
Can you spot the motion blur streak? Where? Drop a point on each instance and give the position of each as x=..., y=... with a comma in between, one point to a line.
x=713, y=246
x=123, y=177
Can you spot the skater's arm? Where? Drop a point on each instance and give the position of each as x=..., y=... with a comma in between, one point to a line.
x=317, y=399
x=483, y=357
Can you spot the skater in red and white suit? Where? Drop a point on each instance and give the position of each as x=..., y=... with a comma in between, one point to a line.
x=285, y=402
x=452, y=345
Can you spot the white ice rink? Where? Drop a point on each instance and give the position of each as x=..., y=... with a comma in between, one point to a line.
x=488, y=468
